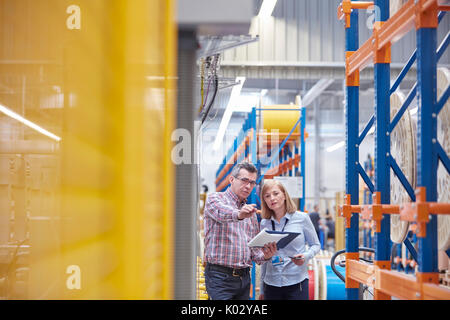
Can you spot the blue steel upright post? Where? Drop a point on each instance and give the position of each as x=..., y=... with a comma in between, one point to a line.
x=302, y=155
x=253, y=148
x=427, y=159
x=352, y=150
x=254, y=160
x=382, y=143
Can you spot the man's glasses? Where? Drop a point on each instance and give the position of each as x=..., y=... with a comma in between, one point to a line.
x=247, y=181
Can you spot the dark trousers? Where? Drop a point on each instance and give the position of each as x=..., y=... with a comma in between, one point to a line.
x=299, y=291
x=222, y=285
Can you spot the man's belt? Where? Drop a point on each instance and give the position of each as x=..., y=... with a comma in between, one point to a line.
x=235, y=272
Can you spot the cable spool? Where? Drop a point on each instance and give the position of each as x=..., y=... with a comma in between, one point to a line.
x=443, y=132
x=311, y=284
x=331, y=287
x=443, y=136
x=403, y=146
x=322, y=279
x=279, y=120
x=315, y=278
x=282, y=120
x=335, y=286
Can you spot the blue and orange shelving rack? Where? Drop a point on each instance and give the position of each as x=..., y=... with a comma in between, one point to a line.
x=284, y=159
x=422, y=211
x=284, y=156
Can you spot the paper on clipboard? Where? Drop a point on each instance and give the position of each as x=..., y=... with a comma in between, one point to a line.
x=263, y=237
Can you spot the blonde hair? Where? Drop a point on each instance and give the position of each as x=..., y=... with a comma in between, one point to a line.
x=266, y=212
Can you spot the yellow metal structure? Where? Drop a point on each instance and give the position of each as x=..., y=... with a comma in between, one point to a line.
x=88, y=216
x=280, y=120
x=201, y=287
x=339, y=243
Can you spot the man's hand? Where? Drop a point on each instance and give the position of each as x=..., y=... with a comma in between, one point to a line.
x=247, y=211
x=269, y=250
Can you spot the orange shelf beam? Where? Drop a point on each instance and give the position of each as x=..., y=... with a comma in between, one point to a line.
x=393, y=283
x=225, y=181
x=347, y=209
x=398, y=25
x=396, y=284
x=376, y=210
x=283, y=167
x=417, y=212
x=268, y=134
x=360, y=58
x=420, y=210
x=421, y=14
x=345, y=8
x=235, y=156
x=361, y=272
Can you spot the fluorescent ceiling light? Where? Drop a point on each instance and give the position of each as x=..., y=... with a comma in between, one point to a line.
x=336, y=146
x=235, y=93
x=28, y=123
x=267, y=8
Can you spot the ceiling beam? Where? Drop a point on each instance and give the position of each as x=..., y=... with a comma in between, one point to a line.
x=316, y=91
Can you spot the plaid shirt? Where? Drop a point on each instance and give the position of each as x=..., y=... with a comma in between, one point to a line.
x=226, y=237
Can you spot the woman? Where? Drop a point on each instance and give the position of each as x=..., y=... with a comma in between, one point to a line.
x=285, y=277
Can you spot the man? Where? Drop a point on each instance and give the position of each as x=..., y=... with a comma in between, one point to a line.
x=315, y=218
x=230, y=224
x=331, y=228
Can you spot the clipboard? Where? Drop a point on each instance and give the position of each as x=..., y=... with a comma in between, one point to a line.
x=283, y=242
x=265, y=236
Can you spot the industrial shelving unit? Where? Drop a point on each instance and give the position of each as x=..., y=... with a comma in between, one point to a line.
x=286, y=160
x=422, y=211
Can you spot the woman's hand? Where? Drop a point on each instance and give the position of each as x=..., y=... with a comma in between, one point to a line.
x=269, y=250
x=298, y=259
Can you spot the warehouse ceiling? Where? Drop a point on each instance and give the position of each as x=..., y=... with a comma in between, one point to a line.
x=302, y=43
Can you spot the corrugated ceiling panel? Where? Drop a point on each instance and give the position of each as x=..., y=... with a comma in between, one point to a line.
x=309, y=31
